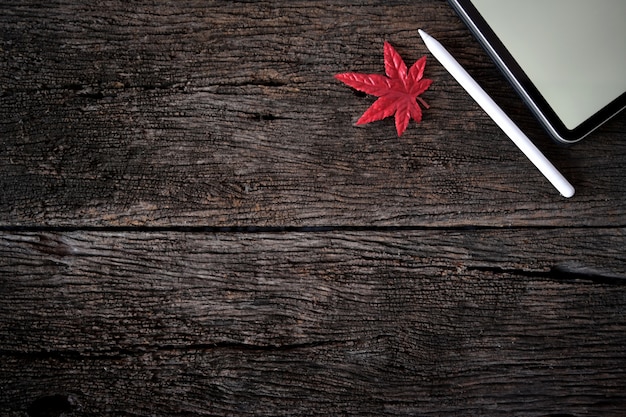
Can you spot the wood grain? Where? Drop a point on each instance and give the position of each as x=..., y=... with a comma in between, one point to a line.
x=192, y=225
x=484, y=322
x=227, y=114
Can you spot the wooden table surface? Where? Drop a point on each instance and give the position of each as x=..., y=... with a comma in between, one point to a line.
x=191, y=223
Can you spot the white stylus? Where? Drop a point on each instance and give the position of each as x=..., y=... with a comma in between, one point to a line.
x=497, y=114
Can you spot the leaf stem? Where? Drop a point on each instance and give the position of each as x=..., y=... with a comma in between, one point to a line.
x=422, y=102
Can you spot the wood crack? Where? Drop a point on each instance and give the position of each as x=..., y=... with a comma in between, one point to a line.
x=140, y=350
x=279, y=229
x=565, y=272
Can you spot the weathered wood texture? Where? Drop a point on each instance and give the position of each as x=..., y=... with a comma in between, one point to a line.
x=342, y=271
x=227, y=114
x=335, y=323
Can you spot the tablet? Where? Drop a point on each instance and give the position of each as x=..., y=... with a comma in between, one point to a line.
x=565, y=58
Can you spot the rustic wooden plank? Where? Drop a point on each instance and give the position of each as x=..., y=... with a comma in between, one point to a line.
x=410, y=322
x=227, y=114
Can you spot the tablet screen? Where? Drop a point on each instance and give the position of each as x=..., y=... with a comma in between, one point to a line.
x=572, y=51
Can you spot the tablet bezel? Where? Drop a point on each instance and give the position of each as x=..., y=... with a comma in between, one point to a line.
x=524, y=86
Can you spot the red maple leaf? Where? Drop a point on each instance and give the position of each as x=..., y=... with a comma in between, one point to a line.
x=398, y=92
